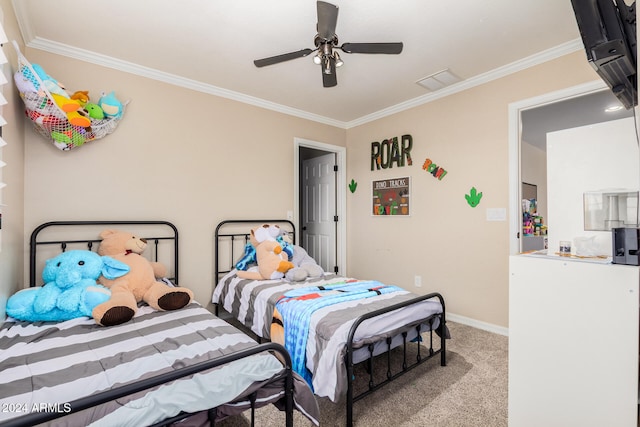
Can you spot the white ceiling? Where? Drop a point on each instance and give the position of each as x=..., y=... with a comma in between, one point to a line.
x=577, y=111
x=210, y=45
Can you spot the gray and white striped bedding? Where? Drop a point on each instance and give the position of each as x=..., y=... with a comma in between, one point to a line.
x=252, y=303
x=49, y=363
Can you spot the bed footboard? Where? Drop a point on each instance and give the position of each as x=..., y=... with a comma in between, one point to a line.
x=440, y=328
x=36, y=418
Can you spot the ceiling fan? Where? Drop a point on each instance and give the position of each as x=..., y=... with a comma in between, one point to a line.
x=326, y=41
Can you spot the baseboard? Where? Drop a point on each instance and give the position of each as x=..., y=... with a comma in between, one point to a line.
x=490, y=327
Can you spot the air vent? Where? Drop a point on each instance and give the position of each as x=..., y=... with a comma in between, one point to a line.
x=439, y=80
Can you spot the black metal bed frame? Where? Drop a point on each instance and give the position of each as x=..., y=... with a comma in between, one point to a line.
x=350, y=346
x=122, y=391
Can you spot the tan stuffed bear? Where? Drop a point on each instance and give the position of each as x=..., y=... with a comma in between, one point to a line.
x=272, y=262
x=139, y=284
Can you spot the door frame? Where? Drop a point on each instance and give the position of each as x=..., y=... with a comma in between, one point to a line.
x=341, y=195
x=515, y=130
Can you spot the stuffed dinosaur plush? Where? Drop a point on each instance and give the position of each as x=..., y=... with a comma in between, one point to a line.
x=304, y=266
x=137, y=286
x=70, y=288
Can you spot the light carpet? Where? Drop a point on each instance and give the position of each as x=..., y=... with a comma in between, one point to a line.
x=470, y=391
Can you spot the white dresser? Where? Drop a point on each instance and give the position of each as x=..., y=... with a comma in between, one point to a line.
x=573, y=343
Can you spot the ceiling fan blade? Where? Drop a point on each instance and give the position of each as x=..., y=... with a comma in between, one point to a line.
x=281, y=58
x=388, y=48
x=327, y=20
x=329, y=80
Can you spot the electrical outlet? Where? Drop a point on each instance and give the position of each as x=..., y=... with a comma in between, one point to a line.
x=417, y=281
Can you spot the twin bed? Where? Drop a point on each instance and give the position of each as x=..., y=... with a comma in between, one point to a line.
x=156, y=369
x=162, y=367
x=338, y=334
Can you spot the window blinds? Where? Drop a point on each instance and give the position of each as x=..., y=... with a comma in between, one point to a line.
x=3, y=101
x=3, y=81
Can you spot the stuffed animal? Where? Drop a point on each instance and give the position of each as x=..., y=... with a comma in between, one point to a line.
x=72, y=108
x=111, y=106
x=64, y=139
x=51, y=84
x=82, y=96
x=69, y=104
x=70, y=289
x=273, y=262
x=258, y=235
x=94, y=111
x=139, y=285
x=304, y=266
x=24, y=83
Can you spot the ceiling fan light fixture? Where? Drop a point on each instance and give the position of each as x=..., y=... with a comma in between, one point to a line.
x=326, y=65
x=325, y=42
x=338, y=60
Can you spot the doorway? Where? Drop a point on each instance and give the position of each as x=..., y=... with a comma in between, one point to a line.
x=319, y=202
x=531, y=119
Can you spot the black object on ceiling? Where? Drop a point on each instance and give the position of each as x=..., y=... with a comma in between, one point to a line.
x=326, y=42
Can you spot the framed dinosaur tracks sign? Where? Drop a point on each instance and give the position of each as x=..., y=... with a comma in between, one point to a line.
x=391, y=196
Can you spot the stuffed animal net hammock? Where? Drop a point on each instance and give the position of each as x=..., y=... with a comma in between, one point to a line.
x=66, y=129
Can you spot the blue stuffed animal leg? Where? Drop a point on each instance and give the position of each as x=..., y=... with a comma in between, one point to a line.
x=20, y=304
x=46, y=298
x=69, y=300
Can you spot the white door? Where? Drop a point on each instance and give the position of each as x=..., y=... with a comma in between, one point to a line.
x=318, y=185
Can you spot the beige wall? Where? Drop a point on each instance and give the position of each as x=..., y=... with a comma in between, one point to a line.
x=452, y=246
x=195, y=159
x=178, y=155
x=11, y=252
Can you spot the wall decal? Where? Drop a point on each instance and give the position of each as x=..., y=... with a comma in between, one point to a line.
x=390, y=196
x=352, y=186
x=434, y=169
x=384, y=154
x=473, y=198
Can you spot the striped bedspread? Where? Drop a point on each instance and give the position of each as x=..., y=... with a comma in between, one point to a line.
x=253, y=302
x=45, y=365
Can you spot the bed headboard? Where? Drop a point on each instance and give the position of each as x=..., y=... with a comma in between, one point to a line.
x=231, y=236
x=51, y=238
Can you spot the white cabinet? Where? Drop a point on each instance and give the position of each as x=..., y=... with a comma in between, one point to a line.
x=573, y=343
x=533, y=243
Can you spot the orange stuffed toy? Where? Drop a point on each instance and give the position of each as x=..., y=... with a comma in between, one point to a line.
x=272, y=261
x=138, y=285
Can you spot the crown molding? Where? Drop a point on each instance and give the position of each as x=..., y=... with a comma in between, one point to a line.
x=514, y=67
x=139, y=70
x=50, y=46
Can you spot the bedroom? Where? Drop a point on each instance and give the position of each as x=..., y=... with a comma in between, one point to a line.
x=194, y=158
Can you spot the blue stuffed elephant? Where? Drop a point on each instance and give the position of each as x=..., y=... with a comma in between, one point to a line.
x=70, y=288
